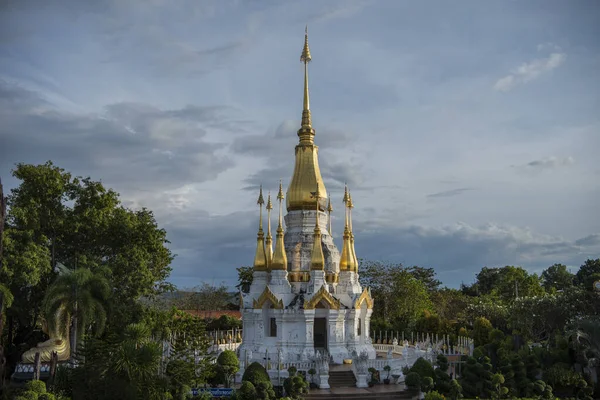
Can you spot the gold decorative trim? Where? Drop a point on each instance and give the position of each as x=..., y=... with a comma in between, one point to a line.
x=322, y=295
x=267, y=295
x=332, y=277
x=365, y=296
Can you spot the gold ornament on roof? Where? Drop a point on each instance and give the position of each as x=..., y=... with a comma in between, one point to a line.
x=260, y=257
x=306, y=174
x=322, y=295
x=279, y=261
x=267, y=295
x=317, y=261
x=269, y=238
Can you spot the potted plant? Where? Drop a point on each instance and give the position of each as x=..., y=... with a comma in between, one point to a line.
x=373, y=379
x=312, y=372
x=387, y=369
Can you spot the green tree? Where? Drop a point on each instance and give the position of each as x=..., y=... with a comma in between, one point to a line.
x=229, y=365
x=80, y=295
x=124, y=366
x=442, y=379
x=557, y=277
x=498, y=383
x=205, y=297
x=244, y=278
x=481, y=331
x=588, y=273
x=426, y=276
x=53, y=216
x=402, y=298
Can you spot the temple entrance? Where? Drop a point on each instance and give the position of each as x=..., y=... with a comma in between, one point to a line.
x=320, y=336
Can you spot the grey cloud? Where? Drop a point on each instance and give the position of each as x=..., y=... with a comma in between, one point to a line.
x=209, y=248
x=590, y=240
x=133, y=144
x=546, y=163
x=449, y=193
x=468, y=248
x=277, y=147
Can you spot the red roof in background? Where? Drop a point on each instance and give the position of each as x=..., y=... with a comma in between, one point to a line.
x=214, y=313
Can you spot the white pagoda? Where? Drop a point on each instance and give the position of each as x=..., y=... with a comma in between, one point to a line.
x=305, y=295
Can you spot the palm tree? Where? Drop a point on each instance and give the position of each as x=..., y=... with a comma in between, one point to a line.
x=80, y=295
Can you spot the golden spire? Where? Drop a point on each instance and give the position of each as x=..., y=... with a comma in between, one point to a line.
x=279, y=261
x=269, y=239
x=317, y=261
x=306, y=119
x=307, y=174
x=329, y=211
x=260, y=259
x=346, y=257
x=350, y=207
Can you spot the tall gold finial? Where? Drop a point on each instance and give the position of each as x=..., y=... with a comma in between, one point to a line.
x=306, y=132
x=353, y=250
x=260, y=258
x=346, y=257
x=317, y=261
x=329, y=211
x=269, y=238
x=279, y=261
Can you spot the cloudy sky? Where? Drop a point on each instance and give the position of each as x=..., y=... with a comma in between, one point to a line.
x=468, y=131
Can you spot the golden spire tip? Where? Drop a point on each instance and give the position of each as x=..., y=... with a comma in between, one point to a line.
x=261, y=199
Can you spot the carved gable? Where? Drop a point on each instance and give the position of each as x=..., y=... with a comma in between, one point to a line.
x=267, y=294
x=322, y=295
x=365, y=296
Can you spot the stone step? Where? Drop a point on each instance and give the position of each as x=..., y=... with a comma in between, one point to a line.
x=342, y=379
x=358, y=394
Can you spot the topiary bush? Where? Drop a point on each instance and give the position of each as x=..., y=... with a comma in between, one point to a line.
x=36, y=386
x=30, y=395
x=246, y=392
x=256, y=373
x=46, y=396
x=423, y=368
x=413, y=381
x=434, y=395
x=229, y=365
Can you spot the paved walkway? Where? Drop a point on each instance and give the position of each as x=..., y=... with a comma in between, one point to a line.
x=379, y=388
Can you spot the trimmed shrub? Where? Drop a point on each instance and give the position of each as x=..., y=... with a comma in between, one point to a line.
x=46, y=396
x=434, y=396
x=413, y=381
x=246, y=392
x=36, y=386
x=256, y=373
x=423, y=368
x=29, y=395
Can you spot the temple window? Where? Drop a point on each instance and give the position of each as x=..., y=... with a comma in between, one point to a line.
x=273, y=328
x=358, y=330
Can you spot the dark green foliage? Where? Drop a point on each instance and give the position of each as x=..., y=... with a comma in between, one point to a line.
x=46, y=396
x=295, y=385
x=442, y=378
x=455, y=390
x=256, y=373
x=246, y=392
x=434, y=395
x=413, y=381
x=423, y=368
x=588, y=273
x=229, y=365
x=30, y=395
x=477, y=377
x=36, y=386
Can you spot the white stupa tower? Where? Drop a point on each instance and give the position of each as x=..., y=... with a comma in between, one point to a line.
x=305, y=295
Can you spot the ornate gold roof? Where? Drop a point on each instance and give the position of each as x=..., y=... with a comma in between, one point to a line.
x=269, y=238
x=279, y=261
x=365, y=296
x=317, y=260
x=260, y=258
x=267, y=295
x=307, y=174
x=322, y=295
